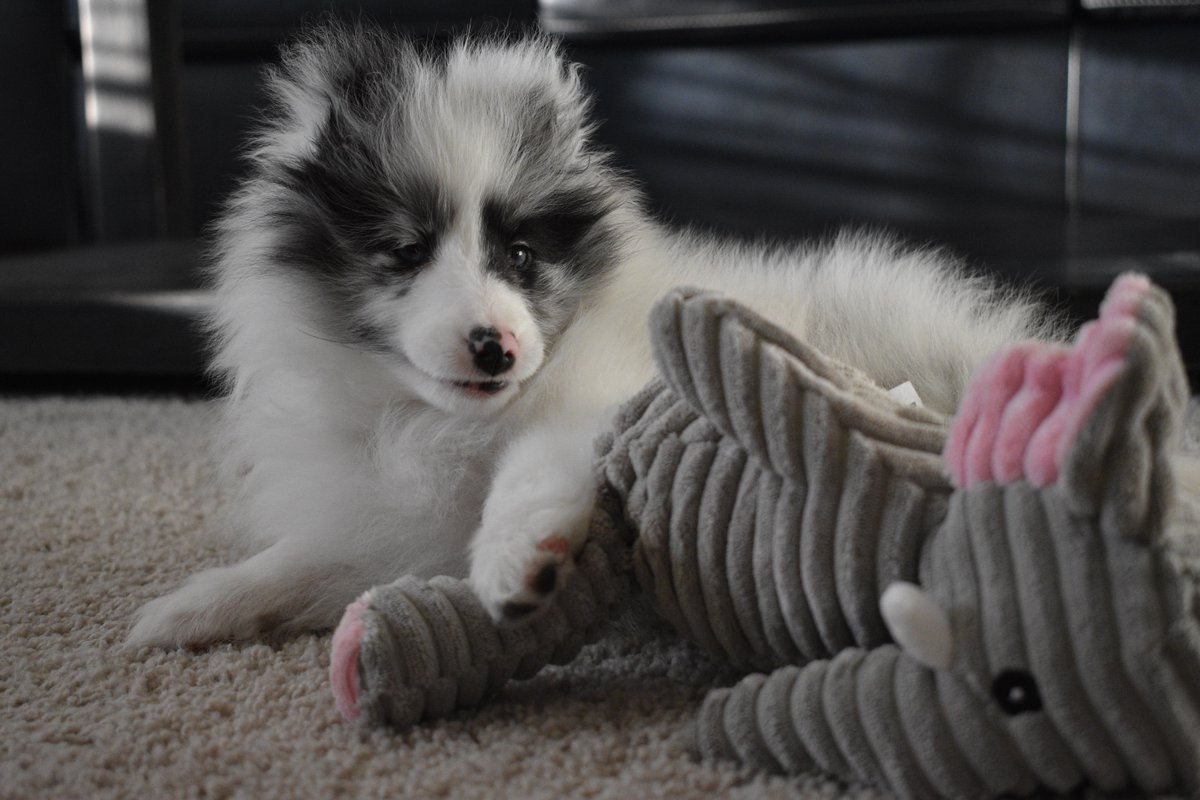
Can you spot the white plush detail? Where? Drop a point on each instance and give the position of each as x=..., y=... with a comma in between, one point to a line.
x=918, y=624
x=906, y=395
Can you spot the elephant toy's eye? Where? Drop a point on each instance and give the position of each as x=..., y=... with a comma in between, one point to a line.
x=1017, y=692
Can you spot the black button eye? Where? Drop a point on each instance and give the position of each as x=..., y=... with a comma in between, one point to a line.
x=1017, y=692
x=520, y=256
x=413, y=254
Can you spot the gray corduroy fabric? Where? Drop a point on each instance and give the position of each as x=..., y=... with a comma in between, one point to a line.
x=429, y=648
x=1069, y=586
x=775, y=491
x=771, y=494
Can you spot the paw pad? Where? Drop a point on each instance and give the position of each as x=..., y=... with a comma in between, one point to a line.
x=546, y=579
x=555, y=544
x=515, y=610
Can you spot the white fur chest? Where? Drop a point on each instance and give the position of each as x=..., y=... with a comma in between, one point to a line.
x=425, y=459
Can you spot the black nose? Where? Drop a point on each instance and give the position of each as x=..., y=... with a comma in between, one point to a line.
x=490, y=357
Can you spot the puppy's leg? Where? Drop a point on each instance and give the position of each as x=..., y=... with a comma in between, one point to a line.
x=314, y=512
x=284, y=586
x=536, y=517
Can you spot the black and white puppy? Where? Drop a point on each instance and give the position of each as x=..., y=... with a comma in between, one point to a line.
x=431, y=296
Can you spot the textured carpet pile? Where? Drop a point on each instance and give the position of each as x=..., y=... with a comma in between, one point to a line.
x=105, y=504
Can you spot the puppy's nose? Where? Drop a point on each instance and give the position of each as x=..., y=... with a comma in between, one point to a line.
x=494, y=353
x=491, y=358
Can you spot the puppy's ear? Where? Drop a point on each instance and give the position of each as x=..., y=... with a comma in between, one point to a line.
x=558, y=110
x=334, y=71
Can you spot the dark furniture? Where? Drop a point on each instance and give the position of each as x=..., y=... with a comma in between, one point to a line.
x=1054, y=142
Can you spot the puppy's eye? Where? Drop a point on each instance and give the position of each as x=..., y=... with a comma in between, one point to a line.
x=520, y=256
x=413, y=254
x=1017, y=692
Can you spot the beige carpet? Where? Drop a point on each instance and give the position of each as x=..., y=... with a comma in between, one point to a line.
x=107, y=503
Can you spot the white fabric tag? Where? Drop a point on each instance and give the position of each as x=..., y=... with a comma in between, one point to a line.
x=905, y=394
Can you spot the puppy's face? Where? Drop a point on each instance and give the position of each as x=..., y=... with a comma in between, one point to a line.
x=446, y=209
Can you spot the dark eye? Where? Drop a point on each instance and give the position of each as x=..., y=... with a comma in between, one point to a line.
x=1017, y=692
x=413, y=254
x=520, y=256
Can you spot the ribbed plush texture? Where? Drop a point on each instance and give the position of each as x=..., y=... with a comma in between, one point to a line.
x=774, y=497
x=1068, y=584
x=429, y=648
x=1120, y=695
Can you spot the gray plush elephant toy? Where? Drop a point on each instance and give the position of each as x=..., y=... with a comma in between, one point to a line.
x=945, y=608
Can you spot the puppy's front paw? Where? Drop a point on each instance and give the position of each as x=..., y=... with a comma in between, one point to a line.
x=546, y=569
x=535, y=521
x=517, y=577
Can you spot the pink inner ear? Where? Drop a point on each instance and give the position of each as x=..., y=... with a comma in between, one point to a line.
x=999, y=390
x=343, y=662
x=1039, y=394
x=1027, y=405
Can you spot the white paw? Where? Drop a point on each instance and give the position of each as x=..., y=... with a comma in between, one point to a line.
x=518, y=569
x=195, y=616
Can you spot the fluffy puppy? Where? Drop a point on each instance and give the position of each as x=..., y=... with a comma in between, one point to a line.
x=431, y=296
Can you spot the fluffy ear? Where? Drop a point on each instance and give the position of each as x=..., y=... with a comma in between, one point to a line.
x=329, y=71
x=541, y=91
x=558, y=112
x=570, y=103
x=918, y=624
